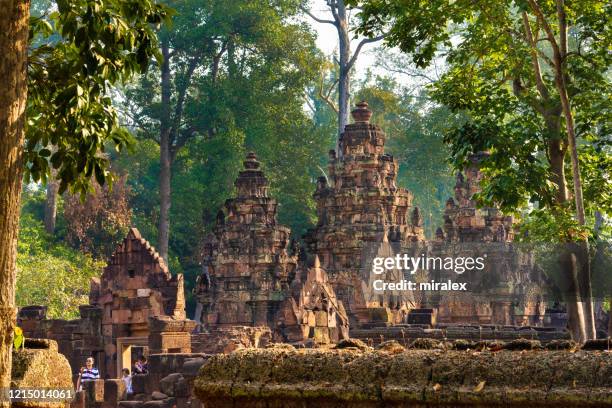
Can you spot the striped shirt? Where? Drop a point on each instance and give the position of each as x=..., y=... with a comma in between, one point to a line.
x=89, y=374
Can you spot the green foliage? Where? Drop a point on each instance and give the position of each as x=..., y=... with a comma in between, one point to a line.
x=50, y=273
x=237, y=71
x=514, y=109
x=77, y=52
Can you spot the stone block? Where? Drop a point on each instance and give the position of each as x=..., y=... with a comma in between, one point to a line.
x=143, y=292
x=94, y=392
x=130, y=404
x=321, y=335
x=79, y=400
x=168, y=384
x=165, y=403
x=192, y=366
x=310, y=318
x=156, y=396
x=114, y=391
x=321, y=318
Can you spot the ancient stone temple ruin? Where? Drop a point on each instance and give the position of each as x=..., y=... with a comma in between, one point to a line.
x=248, y=262
x=516, y=296
x=358, y=204
x=464, y=221
x=257, y=287
x=251, y=276
x=129, y=312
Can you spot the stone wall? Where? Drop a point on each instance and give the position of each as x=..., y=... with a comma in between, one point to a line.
x=228, y=339
x=405, y=333
x=76, y=339
x=398, y=378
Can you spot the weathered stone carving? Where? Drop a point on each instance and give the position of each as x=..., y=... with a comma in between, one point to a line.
x=517, y=298
x=359, y=203
x=313, y=311
x=250, y=275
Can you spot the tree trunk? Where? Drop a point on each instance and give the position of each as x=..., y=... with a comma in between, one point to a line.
x=556, y=154
x=344, y=82
x=559, y=58
x=570, y=267
x=14, y=19
x=575, y=308
x=165, y=157
x=584, y=276
x=51, y=204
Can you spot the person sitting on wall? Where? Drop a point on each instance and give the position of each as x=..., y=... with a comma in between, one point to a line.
x=141, y=366
x=127, y=380
x=87, y=373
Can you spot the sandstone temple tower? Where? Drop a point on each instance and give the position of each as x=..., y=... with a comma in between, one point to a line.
x=251, y=277
x=247, y=261
x=359, y=204
x=464, y=222
x=512, y=293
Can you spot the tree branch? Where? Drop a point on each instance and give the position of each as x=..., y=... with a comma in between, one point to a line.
x=549, y=32
x=334, y=9
x=317, y=19
x=180, y=102
x=326, y=97
x=562, y=17
x=363, y=42
x=534, y=59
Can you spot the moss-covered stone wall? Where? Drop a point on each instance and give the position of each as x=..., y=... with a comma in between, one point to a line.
x=284, y=377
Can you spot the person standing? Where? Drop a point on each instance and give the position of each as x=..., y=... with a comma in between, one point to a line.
x=87, y=373
x=127, y=380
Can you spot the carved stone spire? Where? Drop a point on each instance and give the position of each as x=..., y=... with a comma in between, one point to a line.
x=361, y=113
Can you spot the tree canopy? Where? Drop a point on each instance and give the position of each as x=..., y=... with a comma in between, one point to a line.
x=78, y=51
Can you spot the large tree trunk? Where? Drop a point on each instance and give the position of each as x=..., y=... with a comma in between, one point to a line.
x=14, y=18
x=51, y=204
x=575, y=307
x=570, y=266
x=165, y=174
x=556, y=154
x=582, y=254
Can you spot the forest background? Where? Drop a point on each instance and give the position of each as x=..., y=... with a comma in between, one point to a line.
x=241, y=76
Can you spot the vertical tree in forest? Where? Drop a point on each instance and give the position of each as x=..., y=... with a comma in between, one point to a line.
x=559, y=66
x=14, y=17
x=341, y=20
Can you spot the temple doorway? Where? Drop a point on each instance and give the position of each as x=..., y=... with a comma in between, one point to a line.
x=128, y=351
